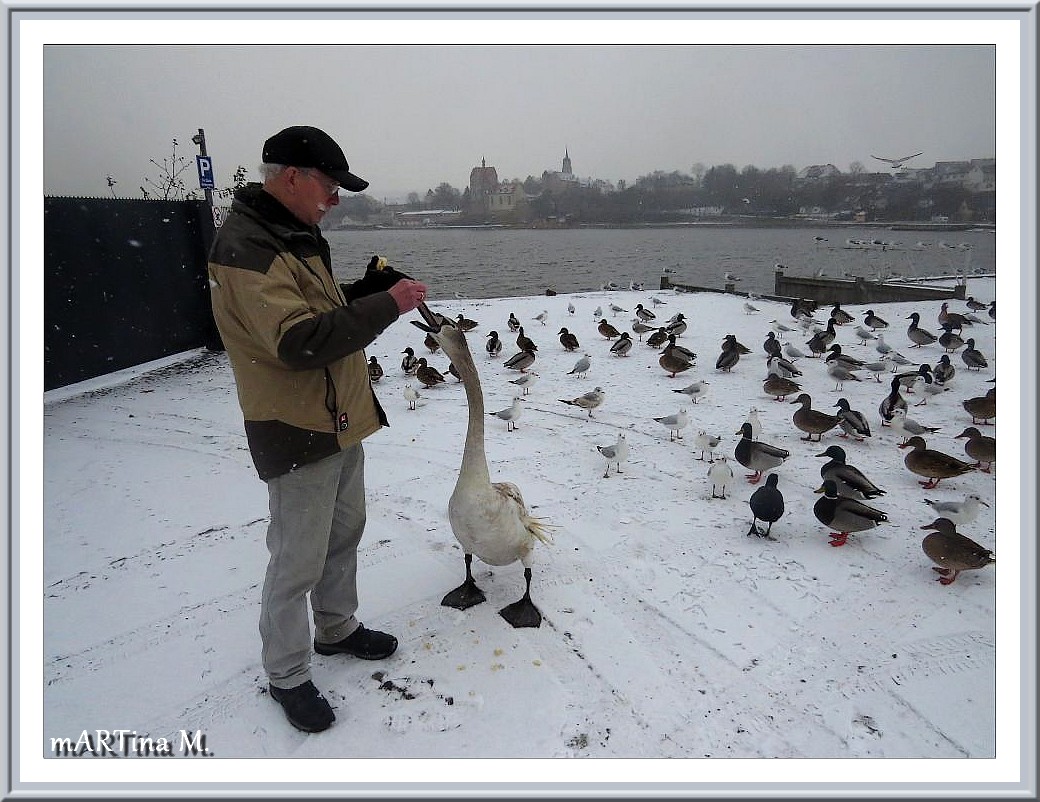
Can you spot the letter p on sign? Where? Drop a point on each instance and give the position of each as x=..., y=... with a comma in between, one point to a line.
x=205, y=165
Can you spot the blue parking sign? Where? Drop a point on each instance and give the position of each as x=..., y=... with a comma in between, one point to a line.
x=205, y=165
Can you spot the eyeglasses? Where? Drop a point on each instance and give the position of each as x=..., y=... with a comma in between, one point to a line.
x=330, y=187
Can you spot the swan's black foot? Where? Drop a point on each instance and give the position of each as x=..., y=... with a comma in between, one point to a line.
x=464, y=596
x=522, y=613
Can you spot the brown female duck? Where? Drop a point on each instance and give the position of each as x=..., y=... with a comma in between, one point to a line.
x=934, y=465
x=982, y=408
x=812, y=421
x=980, y=448
x=952, y=552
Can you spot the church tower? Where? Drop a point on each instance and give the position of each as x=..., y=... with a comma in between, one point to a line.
x=566, y=163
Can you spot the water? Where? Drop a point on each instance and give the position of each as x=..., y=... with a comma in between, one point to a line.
x=490, y=263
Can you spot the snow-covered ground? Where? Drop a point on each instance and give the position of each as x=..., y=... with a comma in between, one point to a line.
x=668, y=632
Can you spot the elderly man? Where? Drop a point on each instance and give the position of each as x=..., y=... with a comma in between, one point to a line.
x=295, y=339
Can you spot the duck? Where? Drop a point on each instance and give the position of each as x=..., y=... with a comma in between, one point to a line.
x=489, y=520
x=681, y=350
x=950, y=341
x=731, y=341
x=581, y=367
x=607, y=330
x=834, y=354
x=409, y=363
x=908, y=427
x=677, y=327
x=944, y=370
x=720, y=474
x=933, y=465
x=658, y=338
x=840, y=316
x=521, y=361
x=846, y=515
x=695, y=391
x=951, y=320
x=850, y=481
x=510, y=414
x=431, y=344
x=953, y=552
x=525, y=380
x=672, y=360
x=873, y=322
x=982, y=408
x=375, y=370
x=493, y=346
x=523, y=342
x=411, y=395
x=705, y=442
x=756, y=455
x=979, y=447
x=644, y=314
x=465, y=323
x=454, y=371
x=674, y=424
x=992, y=311
x=568, y=340
x=812, y=421
x=614, y=454
x=767, y=504
x=428, y=375
x=779, y=387
x=729, y=357
x=908, y=378
x=891, y=402
x=917, y=335
x=972, y=357
x=513, y=323
x=852, y=423
x=821, y=340
x=973, y=305
x=623, y=345
x=960, y=512
x=587, y=401
x=779, y=366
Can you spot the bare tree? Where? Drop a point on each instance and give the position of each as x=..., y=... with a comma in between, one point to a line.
x=168, y=183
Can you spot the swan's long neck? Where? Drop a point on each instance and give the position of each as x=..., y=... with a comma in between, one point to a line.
x=474, y=460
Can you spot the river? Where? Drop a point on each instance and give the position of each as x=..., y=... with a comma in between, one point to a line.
x=498, y=262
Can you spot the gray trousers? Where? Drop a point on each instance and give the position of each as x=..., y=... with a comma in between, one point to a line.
x=317, y=519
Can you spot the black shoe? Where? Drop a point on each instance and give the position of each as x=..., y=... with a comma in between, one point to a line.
x=305, y=708
x=368, y=644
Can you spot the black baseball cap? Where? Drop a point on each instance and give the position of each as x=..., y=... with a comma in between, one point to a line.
x=306, y=146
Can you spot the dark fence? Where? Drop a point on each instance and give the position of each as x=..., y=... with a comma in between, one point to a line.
x=125, y=284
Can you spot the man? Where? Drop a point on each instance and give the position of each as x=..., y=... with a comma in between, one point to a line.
x=295, y=340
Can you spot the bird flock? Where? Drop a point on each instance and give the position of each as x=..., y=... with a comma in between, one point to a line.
x=849, y=386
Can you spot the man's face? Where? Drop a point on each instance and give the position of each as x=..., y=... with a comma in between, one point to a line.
x=315, y=193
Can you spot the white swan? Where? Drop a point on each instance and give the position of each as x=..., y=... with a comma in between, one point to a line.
x=489, y=519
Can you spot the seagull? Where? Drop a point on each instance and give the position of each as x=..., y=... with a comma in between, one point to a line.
x=589, y=401
x=657, y=301
x=754, y=422
x=877, y=368
x=411, y=395
x=780, y=326
x=581, y=367
x=509, y=414
x=908, y=427
x=674, y=423
x=616, y=453
x=720, y=474
x=641, y=328
x=881, y=346
x=730, y=277
x=597, y=312
x=792, y=353
x=960, y=512
x=696, y=391
x=841, y=373
x=542, y=316
x=570, y=309
x=703, y=441
x=615, y=309
x=750, y=309
x=896, y=163
x=525, y=381
x=865, y=334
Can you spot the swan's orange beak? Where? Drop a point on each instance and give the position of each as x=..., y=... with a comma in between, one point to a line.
x=434, y=320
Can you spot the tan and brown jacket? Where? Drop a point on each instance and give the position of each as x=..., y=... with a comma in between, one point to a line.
x=295, y=344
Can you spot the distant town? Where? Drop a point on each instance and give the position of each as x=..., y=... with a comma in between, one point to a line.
x=947, y=194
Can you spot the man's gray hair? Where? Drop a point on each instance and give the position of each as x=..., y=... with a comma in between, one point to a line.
x=269, y=171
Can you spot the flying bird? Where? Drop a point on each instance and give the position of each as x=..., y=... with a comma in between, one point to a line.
x=896, y=163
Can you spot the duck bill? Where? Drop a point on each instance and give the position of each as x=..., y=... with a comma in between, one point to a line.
x=819, y=489
x=434, y=321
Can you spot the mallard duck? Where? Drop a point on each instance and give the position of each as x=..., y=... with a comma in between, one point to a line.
x=431, y=344
x=729, y=357
x=873, y=321
x=658, y=338
x=623, y=345
x=950, y=340
x=982, y=408
x=677, y=327
x=951, y=320
x=375, y=370
x=568, y=340
x=523, y=342
x=767, y=504
x=771, y=345
x=614, y=454
x=490, y=520
x=720, y=474
x=493, y=345
x=891, y=402
x=510, y=414
x=521, y=361
x=850, y=481
x=465, y=323
x=812, y=421
x=840, y=316
x=846, y=515
x=513, y=323
x=852, y=423
x=756, y=455
x=972, y=357
x=607, y=330
x=672, y=360
x=454, y=371
x=779, y=387
x=644, y=314
x=588, y=401
x=525, y=380
x=973, y=305
x=960, y=512
x=409, y=363
x=731, y=341
x=834, y=354
x=944, y=371
x=917, y=335
x=952, y=552
x=674, y=423
x=992, y=310
x=934, y=465
x=980, y=448
x=428, y=375
x=908, y=427
x=821, y=340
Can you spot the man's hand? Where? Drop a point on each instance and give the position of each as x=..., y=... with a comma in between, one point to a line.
x=408, y=294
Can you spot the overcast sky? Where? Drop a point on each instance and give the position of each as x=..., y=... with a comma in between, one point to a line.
x=412, y=117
